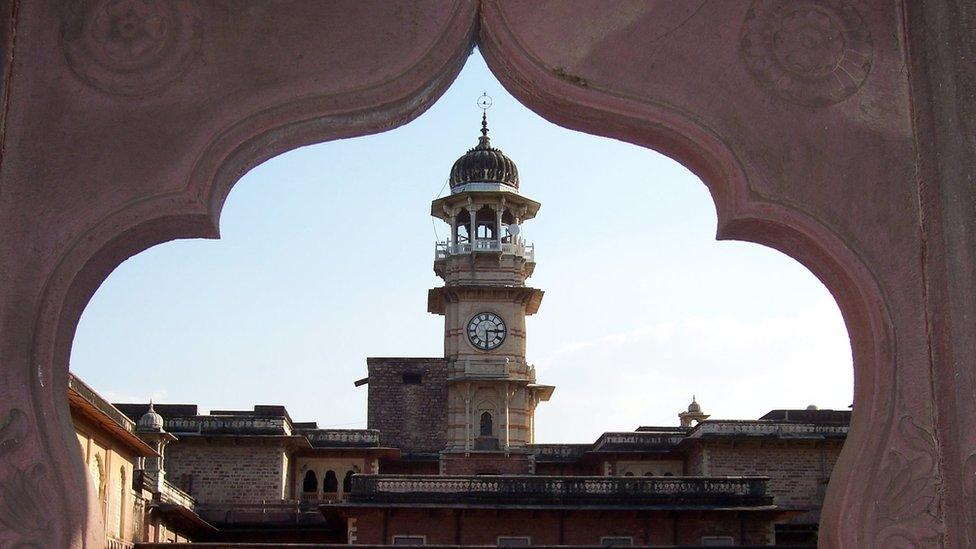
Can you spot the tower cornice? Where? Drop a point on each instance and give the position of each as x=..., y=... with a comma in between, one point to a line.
x=449, y=206
x=438, y=298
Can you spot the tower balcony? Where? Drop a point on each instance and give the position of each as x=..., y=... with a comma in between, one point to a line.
x=445, y=249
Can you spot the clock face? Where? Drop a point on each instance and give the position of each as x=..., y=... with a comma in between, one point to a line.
x=486, y=331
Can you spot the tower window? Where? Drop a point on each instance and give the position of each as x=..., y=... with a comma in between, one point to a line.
x=412, y=379
x=486, y=427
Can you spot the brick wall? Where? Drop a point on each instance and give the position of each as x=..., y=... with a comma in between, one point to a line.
x=412, y=417
x=487, y=464
x=223, y=472
x=589, y=467
x=694, y=464
x=553, y=527
x=798, y=470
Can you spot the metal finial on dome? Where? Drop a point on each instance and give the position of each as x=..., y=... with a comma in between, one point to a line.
x=484, y=103
x=484, y=163
x=484, y=142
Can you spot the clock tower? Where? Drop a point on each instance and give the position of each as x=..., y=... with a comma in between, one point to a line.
x=491, y=388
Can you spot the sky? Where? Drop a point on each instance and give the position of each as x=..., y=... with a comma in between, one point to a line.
x=326, y=255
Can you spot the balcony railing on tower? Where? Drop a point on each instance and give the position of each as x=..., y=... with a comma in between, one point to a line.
x=443, y=250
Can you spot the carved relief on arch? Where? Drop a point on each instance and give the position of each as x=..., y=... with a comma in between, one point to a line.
x=909, y=499
x=129, y=47
x=22, y=504
x=814, y=54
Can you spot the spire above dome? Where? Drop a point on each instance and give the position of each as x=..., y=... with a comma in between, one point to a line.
x=484, y=164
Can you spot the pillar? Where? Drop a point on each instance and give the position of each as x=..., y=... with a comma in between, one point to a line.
x=473, y=235
x=508, y=399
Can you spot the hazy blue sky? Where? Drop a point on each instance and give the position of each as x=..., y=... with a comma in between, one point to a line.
x=326, y=257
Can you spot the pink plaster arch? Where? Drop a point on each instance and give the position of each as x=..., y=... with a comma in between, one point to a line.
x=743, y=214
x=894, y=433
x=193, y=211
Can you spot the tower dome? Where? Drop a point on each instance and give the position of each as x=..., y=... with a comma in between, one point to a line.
x=694, y=407
x=484, y=164
x=151, y=420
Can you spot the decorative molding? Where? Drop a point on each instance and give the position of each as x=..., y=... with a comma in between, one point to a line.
x=910, y=501
x=13, y=431
x=22, y=507
x=813, y=54
x=130, y=47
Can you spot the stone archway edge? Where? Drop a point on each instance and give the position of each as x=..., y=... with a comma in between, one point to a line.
x=827, y=150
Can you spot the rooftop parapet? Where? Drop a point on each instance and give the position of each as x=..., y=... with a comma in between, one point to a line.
x=637, y=441
x=763, y=428
x=551, y=491
x=228, y=425
x=558, y=453
x=342, y=438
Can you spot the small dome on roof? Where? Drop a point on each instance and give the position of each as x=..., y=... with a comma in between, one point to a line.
x=151, y=420
x=484, y=164
x=694, y=407
x=812, y=407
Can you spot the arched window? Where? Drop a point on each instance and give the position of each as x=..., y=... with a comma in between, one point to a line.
x=649, y=474
x=122, y=492
x=486, y=428
x=311, y=483
x=628, y=474
x=347, y=482
x=330, y=484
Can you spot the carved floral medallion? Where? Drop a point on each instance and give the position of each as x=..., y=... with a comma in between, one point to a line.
x=814, y=54
x=129, y=47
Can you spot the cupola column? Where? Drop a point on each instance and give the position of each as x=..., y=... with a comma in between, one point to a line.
x=499, y=211
x=454, y=233
x=473, y=235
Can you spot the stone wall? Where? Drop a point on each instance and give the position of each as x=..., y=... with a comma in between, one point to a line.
x=798, y=470
x=110, y=466
x=223, y=472
x=410, y=415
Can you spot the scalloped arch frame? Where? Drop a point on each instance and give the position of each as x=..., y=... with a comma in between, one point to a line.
x=893, y=432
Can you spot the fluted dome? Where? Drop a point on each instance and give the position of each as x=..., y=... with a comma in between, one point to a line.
x=151, y=420
x=694, y=407
x=484, y=164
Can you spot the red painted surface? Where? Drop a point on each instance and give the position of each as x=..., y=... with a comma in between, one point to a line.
x=552, y=527
x=838, y=132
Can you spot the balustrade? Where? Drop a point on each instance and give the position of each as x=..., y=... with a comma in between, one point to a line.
x=555, y=490
x=443, y=250
x=115, y=543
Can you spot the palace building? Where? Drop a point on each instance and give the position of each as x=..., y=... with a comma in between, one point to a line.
x=449, y=455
